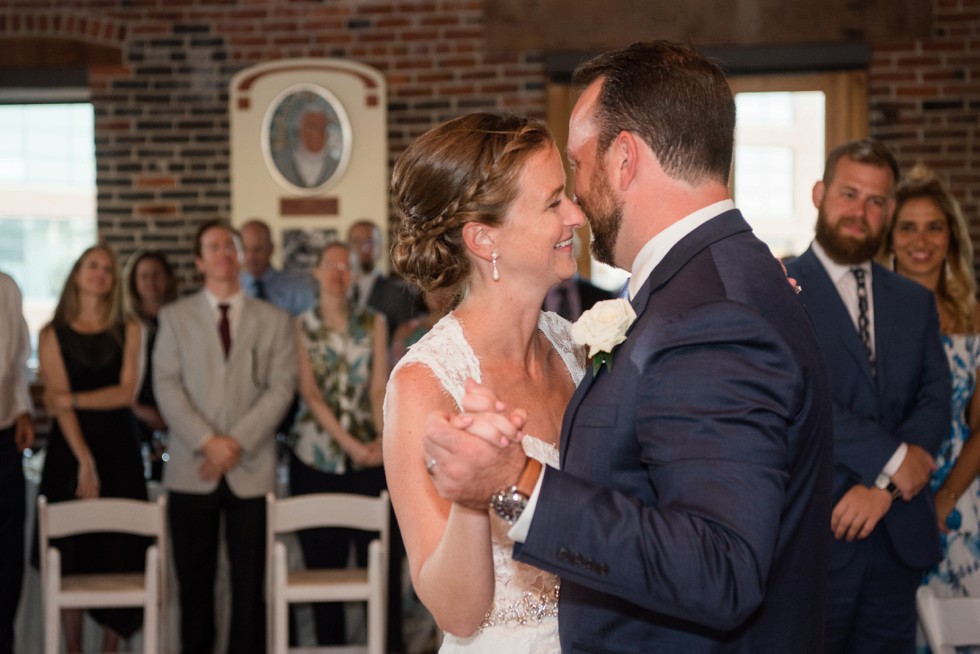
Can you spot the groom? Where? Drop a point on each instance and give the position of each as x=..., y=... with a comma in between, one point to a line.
x=691, y=510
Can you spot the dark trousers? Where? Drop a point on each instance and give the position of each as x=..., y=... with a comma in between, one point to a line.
x=194, y=521
x=329, y=548
x=12, y=515
x=871, y=601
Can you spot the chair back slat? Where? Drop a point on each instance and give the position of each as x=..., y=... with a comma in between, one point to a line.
x=103, y=515
x=330, y=510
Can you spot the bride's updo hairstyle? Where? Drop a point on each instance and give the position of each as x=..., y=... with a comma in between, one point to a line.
x=465, y=170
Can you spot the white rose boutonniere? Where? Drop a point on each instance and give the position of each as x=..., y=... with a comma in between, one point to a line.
x=602, y=328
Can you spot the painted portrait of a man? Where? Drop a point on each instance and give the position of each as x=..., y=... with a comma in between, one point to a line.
x=308, y=137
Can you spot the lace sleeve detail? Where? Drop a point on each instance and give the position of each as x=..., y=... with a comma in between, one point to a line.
x=559, y=332
x=445, y=352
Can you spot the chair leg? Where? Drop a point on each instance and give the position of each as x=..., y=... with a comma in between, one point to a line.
x=52, y=614
x=150, y=626
x=280, y=619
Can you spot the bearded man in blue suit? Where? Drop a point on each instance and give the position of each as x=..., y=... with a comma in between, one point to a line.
x=691, y=508
x=891, y=404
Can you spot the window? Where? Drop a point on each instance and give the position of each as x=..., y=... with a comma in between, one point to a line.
x=785, y=125
x=779, y=154
x=47, y=182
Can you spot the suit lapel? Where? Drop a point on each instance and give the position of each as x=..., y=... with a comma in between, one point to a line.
x=719, y=227
x=244, y=334
x=886, y=315
x=826, y=305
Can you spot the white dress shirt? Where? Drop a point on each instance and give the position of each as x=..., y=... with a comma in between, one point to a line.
x=846, y=284
x=15, y=347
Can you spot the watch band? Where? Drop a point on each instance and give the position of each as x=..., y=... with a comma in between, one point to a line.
x=529, y=477
x=885, y=483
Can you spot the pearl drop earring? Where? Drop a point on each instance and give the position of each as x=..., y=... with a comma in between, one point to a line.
x=495, y=274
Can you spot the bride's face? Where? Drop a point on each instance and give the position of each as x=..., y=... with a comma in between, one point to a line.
x=535, y=241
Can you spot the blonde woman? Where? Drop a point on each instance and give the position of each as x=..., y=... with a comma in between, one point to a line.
x=89, y=359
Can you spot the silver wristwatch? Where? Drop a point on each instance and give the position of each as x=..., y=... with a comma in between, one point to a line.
x=509, y=504
x=885, y=483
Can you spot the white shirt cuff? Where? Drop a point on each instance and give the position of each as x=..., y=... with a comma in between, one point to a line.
x=895, y=462
x=518, y=532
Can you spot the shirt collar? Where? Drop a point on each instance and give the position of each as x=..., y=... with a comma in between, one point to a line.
x=234, y=301
x=837, y=271
x=651, y=254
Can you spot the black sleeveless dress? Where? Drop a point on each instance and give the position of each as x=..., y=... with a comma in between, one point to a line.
x=94, y=361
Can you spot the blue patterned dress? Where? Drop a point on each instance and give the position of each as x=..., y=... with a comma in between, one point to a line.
x=958, y=574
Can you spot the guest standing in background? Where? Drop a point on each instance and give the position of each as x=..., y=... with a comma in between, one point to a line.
x=397, y=301
x=336, y=438
x=929, y=243
x=150, y=283
x=291, y=292
x=16, y=433
x=224, y=372
x=89, y=361
x=879, y=334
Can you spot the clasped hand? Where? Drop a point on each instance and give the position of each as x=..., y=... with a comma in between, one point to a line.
x=476, y=452
x=221, y=454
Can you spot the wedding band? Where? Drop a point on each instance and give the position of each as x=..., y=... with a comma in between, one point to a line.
x=799, y=289
x=429, y=465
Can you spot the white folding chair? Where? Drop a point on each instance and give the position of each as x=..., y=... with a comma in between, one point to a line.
x=948, y=622
x=145, y=589
x=286, y=586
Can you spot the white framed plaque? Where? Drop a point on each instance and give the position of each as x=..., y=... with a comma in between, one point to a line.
x=306, y=139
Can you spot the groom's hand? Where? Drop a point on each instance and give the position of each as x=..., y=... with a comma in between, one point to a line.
x=468, y=470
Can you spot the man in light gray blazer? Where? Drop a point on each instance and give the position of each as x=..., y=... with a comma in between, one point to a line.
x=224, y=372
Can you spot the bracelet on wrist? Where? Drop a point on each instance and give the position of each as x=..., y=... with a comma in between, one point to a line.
x=943, y=490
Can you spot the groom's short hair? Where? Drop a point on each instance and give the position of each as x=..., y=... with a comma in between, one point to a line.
x=676, y=99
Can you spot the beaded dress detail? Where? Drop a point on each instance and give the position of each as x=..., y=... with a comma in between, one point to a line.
x=524, y=614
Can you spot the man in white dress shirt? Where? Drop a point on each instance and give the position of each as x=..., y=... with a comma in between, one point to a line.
x=16, y=433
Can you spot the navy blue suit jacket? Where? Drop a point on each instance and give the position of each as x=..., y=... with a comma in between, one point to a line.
x=909, y=402
x=691, y=509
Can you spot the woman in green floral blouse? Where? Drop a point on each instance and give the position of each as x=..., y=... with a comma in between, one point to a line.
x=336, y=438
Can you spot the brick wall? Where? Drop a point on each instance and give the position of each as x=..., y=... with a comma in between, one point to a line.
x=162, y=123
x=925, y=101
x=161, y=117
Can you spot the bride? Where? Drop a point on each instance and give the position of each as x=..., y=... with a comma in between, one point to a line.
x=483, y=215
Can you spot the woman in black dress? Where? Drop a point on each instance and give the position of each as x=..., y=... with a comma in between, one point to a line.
x=150, y=283
x=89, y=360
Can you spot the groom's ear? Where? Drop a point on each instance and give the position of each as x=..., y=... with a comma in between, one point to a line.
x=479, y=239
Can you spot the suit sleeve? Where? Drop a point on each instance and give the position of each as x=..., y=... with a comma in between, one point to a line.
x=863, y=444
x=279, y=385
x=180, y=413
x=715, y=395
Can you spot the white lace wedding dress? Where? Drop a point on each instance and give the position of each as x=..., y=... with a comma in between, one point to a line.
x=524, y=614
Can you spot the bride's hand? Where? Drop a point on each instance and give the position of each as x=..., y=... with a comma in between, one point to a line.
x=487, y=417
x=480, y=399
x=495, y=428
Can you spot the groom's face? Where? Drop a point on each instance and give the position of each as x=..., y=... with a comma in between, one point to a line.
x=592, y=190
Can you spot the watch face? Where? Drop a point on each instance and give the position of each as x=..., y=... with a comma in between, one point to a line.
x=508, y=504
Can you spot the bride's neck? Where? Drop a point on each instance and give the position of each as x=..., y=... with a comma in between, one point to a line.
x=499, y=329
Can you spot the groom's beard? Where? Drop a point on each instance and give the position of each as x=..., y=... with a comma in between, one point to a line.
x=605, y=217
